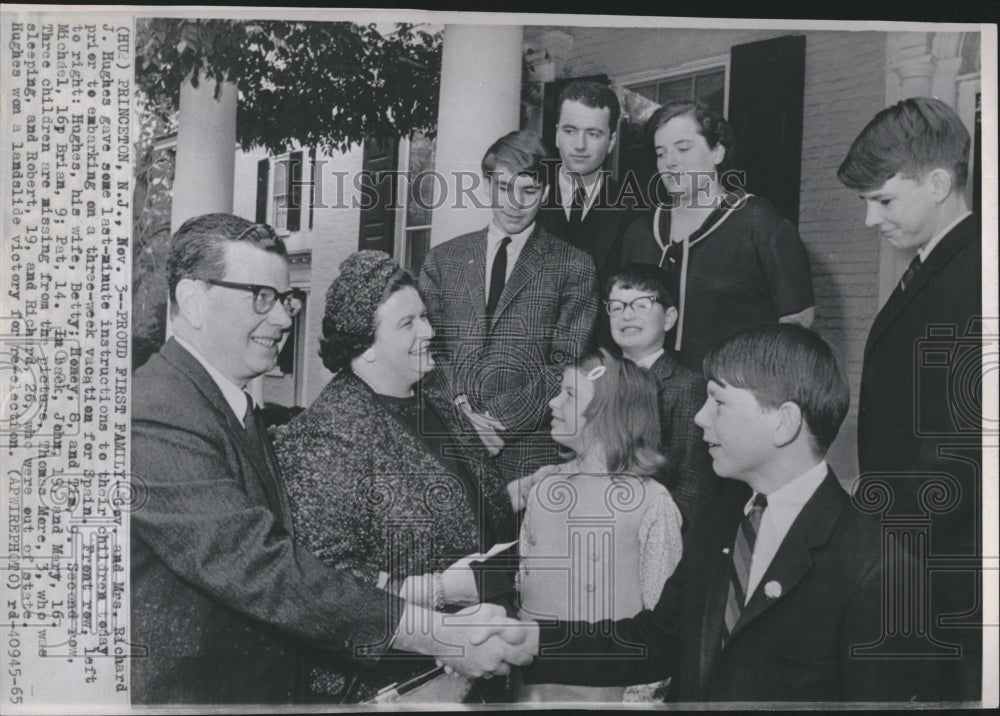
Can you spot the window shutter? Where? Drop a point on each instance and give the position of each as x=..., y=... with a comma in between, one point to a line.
x=263, y=172
x=294, y=191
x=766, y=86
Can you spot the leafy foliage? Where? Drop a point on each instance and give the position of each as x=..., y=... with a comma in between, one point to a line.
x=329, y=85
x=154, y=171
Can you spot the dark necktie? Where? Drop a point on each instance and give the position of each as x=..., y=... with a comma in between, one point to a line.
x=576, y=209
x=739, y=573
x=262, y=444
x=910, y=273
x=498, y=277
x=250, y=421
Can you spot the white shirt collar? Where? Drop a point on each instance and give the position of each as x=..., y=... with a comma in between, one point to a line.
x=648, y=361
x=926, y=249
x=783, y=507
x=235, y=396
x=567, y=185
x=793, y=495
x=494, y=234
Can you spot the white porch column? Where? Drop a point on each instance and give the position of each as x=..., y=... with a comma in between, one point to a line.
x=480, y=101
x=205, y=162
x=206, y=155
x=916, y=75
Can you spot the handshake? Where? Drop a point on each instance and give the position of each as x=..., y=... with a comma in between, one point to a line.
x=479, y=641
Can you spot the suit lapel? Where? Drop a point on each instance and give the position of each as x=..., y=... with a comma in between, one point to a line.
x=529, y=262
x=942, y=253
x=793, y=560
x=256, y=455
x=598, y=224
x=557, y=215
x=717, y=592
x=475, y=274
x=264, y=464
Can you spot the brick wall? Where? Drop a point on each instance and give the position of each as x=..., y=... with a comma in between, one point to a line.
x=334, y=238
x=845, y=87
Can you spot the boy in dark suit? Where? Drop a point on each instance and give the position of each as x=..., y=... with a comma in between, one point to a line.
x=512, y=305
x=778, y=596
x=919, y=419
x=640, y=303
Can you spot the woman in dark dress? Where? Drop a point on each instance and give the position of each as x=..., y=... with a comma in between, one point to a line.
x=736, y=260
x=378, y=482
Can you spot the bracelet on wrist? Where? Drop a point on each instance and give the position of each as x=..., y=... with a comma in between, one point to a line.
x=438, y=589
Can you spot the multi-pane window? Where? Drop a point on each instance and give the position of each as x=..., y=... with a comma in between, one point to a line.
x=286, y=215
x=708, y=86
x=419, y=200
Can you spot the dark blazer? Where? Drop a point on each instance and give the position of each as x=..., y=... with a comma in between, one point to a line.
x=599, y=234
x=919, y=430
x=511, y=365
x=791, y=643
x=220, y=594
x=690, y=478
x=921, y=386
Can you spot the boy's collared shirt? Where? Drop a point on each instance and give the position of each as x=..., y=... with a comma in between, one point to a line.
x=648, y=361
x=783, y=506
x=235, y=396
x=494, y=235
x=926, y=249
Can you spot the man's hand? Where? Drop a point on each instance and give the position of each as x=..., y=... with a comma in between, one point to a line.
x=487, y=427
x=506, y=644
x=477, y=641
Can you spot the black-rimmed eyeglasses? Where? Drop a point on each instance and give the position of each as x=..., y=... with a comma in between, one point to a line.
x=642, y=304
x=264, y=297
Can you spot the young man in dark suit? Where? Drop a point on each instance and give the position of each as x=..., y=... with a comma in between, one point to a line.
x=582, y=206
x=920, y=409
x=221, y=597
x=642, y=308
x=778, y=596
x=513, y=306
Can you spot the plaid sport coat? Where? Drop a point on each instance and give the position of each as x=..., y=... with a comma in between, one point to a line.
x=510, y=365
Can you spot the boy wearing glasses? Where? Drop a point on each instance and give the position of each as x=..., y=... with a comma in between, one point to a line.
x=642, y=310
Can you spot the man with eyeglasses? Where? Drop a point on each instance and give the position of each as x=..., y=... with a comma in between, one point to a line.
x=642, y=309
x=222, y=598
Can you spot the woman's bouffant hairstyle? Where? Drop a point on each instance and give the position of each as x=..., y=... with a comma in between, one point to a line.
x=712, y=126
x=623, y=414
x=367, y=279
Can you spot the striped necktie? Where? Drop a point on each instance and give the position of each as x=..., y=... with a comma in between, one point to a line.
x=910, y=273
x=739, y=572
